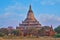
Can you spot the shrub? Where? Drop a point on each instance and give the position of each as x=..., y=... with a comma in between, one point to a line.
x=1, y=34
x=57, y=36
x=57, y=29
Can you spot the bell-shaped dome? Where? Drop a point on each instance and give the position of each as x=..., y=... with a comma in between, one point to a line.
x=30, y=14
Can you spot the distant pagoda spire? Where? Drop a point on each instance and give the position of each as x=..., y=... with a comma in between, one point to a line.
x=51, y=28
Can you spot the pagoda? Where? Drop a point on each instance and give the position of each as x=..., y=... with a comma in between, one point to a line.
x=30, y=21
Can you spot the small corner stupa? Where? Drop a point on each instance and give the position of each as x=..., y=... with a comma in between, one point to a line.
x=30, y=20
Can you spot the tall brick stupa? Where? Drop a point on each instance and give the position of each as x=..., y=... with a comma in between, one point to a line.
x=30, y=20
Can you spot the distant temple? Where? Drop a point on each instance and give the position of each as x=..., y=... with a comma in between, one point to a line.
x=31, y=22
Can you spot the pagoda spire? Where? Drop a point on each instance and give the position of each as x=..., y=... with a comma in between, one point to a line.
x=51, y=28
x=30, y=8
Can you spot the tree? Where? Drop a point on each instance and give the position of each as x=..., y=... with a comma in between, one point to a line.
x=41, y=32
x=4, y=31
x=31, y=31
x=1, y=34
x=16, y=32
x=57, y=29
x=57, y=36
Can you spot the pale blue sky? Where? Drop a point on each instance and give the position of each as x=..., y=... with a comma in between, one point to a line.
x=13, y=12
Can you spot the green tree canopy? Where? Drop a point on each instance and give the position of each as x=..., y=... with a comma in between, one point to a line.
x=57, y=29
x=57, y=36
x=16, y=32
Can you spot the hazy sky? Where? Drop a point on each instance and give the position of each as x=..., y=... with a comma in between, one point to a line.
x=13, y=12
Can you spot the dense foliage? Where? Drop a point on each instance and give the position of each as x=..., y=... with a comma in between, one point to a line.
x=1, y=34
x=3, y=31
x=57, y=29
x=57, y=36
x=16, y=32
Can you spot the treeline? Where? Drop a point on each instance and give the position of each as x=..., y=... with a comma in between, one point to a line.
x=16, y=32
x=8, y=32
